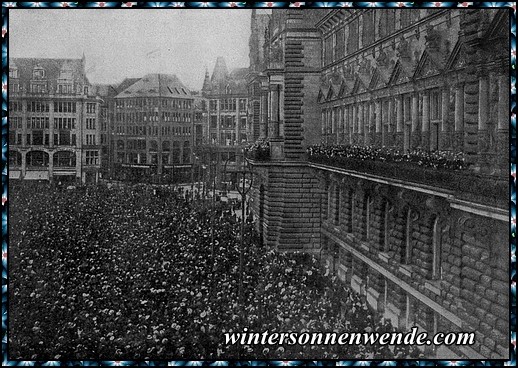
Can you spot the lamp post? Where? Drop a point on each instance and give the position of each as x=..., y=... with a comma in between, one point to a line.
x=243, y=191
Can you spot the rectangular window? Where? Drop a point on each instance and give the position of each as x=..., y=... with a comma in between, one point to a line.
x=90, y=108
x=435, y=105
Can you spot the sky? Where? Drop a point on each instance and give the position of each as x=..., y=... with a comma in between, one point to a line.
x=131, y=43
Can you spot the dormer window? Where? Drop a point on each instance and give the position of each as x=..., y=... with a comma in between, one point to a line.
x=227, y=89
x=13, y=72
x=38, y=73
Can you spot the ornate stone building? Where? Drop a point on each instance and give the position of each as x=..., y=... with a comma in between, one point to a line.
x=228, y=128
x=53, y=121
x=427, y=246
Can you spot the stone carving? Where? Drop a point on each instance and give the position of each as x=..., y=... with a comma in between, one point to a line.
x=403, y=49
x=383, y=58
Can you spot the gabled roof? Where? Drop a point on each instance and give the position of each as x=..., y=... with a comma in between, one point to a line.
x=401, y=72
x=431, y=63
x=156, y=85
x=457, y=58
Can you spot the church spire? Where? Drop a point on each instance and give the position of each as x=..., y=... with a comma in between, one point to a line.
x=206, y=83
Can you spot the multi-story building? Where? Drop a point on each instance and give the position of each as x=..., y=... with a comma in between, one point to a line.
x=227, y=97
x=53, y=121
x=427, y=246
x=153, y=130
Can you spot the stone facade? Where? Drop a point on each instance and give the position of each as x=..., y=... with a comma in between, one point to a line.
x=153, y=130
x=427, y=247
x=53, y=121
x=228, y=128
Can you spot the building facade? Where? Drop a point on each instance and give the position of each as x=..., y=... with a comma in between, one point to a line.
x=153, y=130
x=426, y=245
x=227, y=112
x=53, y=121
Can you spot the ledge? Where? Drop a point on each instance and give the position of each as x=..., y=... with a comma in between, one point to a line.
x=465, y=184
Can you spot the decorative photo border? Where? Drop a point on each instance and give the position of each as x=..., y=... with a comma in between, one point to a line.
x=265, y=5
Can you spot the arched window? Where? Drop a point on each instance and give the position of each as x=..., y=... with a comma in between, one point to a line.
x=166, y=146
x=436, y=250
x=38, y=72
x=37, y=159
x=120, y=144
x=153, y=146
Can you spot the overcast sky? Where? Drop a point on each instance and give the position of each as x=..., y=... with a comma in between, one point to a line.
x=132, y=43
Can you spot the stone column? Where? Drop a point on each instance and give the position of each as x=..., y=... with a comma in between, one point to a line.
x=367, y=127
x=51, y=166
x=350, y=117
x=51, y=123
x=444, y=139
x=502, y=133
x=483, y=100
x=361, y=121
x=355, y=127
x=389, y=139
x=378, y=123
x=416, y=135
x=425, y=135
x=503, y=114
x=263, y=127
x=24, y=164
x=399, y=122
x=458, y=143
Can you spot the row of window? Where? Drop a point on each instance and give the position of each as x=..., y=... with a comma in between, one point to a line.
x=167, y=116
x=374, y=24
x=150, y=102
x=152, y=130
x=60, y=159
x=39, y=138
x=228, y=104
x=176, y=157
x=343, y=120
x=140, y=144
x=42, y=122
x=44, y=106
x=342, y=206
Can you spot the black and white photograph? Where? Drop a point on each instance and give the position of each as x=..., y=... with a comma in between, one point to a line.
x=258, y=184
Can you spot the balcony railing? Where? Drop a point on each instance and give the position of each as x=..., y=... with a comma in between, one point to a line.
x=259, y=151
x=421, y=168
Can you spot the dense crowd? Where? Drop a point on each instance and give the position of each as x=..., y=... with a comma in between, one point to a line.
x=432, y=159
x=131, y=273
x=260, y=150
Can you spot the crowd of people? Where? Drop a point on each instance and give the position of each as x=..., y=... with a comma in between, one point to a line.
x=136, y=272
x=432, y=159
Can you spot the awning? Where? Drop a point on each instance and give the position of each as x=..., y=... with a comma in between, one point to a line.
x=14, y=174
x=37, y=175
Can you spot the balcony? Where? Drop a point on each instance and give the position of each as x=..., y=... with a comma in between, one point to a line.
x=259, y=151
x=442, y=170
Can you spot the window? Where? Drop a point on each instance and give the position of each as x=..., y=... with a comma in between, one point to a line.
x=90, y=108
x=435, y=105
x=352, y=41
x=90, y=139
x=350, y=212
x=90, y=123
x=384, y=235
x=92, y=157
x=368, y=27
x=13, y=72
x=38, y=73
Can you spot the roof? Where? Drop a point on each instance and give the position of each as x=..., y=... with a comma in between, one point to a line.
x=236, y=80
x=52, y=68
x=155, y=85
